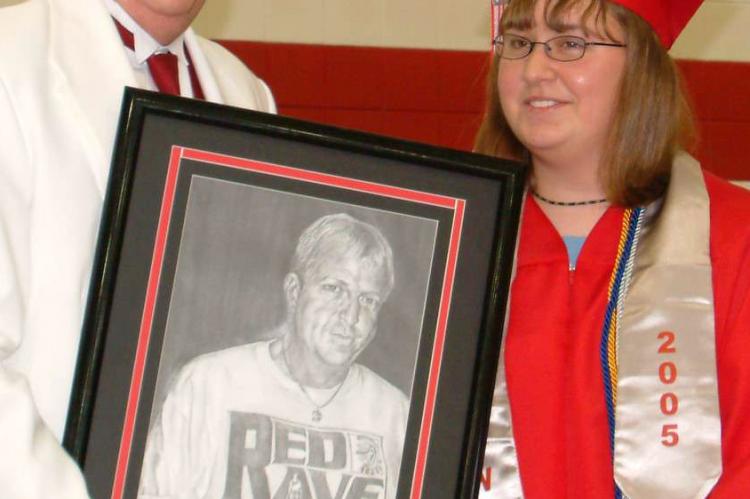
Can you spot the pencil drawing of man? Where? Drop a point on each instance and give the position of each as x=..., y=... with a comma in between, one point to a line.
x=296, y=416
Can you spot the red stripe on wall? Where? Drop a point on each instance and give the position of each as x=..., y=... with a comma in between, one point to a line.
x=436, y=96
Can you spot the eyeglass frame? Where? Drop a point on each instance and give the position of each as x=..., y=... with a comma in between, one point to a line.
x=498, y=45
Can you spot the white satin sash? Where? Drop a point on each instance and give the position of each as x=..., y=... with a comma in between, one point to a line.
x=668, y=432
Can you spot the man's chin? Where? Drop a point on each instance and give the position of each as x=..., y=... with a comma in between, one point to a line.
x=340, y=359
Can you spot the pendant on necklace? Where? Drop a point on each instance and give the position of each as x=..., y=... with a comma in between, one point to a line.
x=316, y=415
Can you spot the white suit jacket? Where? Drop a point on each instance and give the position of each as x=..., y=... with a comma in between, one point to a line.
x=62, y=73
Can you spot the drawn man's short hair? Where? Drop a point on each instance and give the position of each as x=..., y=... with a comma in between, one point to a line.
x=343, y=235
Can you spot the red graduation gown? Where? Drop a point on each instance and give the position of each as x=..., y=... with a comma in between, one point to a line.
x=552, y=352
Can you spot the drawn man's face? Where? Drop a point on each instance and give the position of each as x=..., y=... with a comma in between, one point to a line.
x=335, y=307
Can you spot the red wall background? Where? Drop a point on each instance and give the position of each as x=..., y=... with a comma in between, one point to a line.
x=437, y=96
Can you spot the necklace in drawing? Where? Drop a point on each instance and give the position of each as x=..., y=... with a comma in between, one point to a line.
x=317, y=413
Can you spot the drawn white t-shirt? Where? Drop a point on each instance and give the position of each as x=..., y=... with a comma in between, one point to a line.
x=234, y=426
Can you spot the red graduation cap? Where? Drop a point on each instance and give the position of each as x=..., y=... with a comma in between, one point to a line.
x=667, y=17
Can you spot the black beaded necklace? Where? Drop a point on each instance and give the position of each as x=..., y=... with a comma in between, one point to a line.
x=566, y=203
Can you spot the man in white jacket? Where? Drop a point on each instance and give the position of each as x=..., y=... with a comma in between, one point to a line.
x=63, y=66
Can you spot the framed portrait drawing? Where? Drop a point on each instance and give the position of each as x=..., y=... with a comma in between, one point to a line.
x=281, y=309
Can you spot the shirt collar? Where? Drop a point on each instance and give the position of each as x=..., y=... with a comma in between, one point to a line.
x=144, y=44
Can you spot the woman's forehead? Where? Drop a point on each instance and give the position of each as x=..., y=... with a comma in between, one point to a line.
x=559, y=15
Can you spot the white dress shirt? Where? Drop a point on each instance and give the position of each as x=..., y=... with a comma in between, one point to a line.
x=145, y=46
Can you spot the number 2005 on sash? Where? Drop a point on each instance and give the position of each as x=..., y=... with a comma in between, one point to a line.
x=669, y=402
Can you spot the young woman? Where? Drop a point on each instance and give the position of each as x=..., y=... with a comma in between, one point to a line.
x=625, y=365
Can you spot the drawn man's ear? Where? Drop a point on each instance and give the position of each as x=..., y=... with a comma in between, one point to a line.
x=292, y=286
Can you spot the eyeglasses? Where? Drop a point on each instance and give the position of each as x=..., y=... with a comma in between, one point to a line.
x=560, y=48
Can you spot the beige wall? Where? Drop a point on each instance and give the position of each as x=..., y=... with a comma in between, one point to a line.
x=720, y=30
x=447, y=24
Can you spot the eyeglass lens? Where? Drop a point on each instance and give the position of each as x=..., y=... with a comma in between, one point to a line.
x=561, y=48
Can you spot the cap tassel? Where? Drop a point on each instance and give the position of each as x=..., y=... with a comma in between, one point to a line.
x=497, y=13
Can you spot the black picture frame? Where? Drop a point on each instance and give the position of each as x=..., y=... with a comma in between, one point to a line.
x=194, y=178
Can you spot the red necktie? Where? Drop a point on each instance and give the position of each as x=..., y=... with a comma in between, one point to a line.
x=163, y=67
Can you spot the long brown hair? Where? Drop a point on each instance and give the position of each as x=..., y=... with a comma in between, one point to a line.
x=652, y=122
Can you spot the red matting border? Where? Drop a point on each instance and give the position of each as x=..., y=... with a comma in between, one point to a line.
x=144, y=335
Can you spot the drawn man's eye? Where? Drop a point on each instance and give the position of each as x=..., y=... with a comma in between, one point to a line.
x=370, y=301
x=331, y=287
